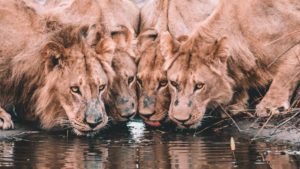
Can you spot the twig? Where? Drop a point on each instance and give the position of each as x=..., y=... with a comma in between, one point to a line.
x=231, y=118
x=281, y=124
x=206, y=128
x=260, y=130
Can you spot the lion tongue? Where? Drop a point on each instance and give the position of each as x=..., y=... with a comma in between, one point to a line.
x=152, y=123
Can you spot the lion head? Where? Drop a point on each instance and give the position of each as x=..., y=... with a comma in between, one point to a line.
x=77, y=78
x=122, y=100
x=197, y=75
x=153, y=93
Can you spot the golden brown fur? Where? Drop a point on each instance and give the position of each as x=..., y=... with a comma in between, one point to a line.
x=114, y=18
x=109, y=13
x=122, y=103
x=13, y=23
x=231, y=52
x=57, y=79
x=116, y=13
x=177, y=17
x=120, y=20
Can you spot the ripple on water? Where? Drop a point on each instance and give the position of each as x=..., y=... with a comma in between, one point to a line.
x=135, y=146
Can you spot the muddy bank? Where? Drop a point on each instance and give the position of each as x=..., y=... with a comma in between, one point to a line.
x=269, y=132
x=19, y=131
x=275, y=130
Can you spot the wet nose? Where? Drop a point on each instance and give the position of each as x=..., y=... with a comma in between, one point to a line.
x=93, y=121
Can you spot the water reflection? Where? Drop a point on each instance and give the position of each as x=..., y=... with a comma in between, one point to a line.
x=139, y=147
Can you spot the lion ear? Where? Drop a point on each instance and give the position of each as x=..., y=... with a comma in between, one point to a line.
x=92, y=35
x=168, y=47
x=145, y=39
x=53, y=53
x=219, y=55
x=220, y=50
x=106, y=48
x=122, y=36
x=125, y=39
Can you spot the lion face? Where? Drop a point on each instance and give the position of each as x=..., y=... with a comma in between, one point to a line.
x=153, y=93
x=197, y=79
x=122, y=102
x=77, y=80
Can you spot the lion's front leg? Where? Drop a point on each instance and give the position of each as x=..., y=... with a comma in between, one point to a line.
x=277, y=99
x=5, y=120
x=239, y=102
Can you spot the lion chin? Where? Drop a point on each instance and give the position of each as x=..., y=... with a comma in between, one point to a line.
x=193, y=126
x=90, y=133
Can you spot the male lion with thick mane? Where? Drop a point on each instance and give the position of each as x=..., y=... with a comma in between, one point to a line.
x=115, y=18
x=56, y=79
x=178, y=17
x=233, y=50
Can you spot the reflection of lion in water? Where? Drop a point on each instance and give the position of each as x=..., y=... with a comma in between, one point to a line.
x=57, y=80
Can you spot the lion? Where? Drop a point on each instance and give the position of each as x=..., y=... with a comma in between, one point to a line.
x=122, y=26
x=118, y=19
x=233, y=50
x=56, y=79
x=122, y=101
x=178, y=18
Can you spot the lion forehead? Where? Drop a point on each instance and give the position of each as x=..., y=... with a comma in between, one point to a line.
x=124, y=66
x=95, y=71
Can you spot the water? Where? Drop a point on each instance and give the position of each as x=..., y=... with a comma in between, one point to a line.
x=136, y=146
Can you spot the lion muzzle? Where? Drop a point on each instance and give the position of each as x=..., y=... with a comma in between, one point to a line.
x=93, y=116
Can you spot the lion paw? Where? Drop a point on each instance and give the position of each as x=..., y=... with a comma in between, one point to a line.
x=268, y=107
x=5, y=121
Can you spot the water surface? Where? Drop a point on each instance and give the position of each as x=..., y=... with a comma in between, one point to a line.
x=136, y=146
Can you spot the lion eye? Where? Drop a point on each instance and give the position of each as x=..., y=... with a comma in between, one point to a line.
x=163, y=83
x=75, y=89
x=101, y=88
x=130, y=79
x=139, y=81
x=174, y=84
x=199, y=86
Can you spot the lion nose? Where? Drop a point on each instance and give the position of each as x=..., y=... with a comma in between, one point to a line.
x=93, y=121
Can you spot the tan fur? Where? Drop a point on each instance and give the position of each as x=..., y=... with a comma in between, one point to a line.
x=116, y=13
x=38, y=79
x=229, y=53
x=177, y=17
x=122, y=102
x=120, y=20
x=14, y=23
x=111, y=18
